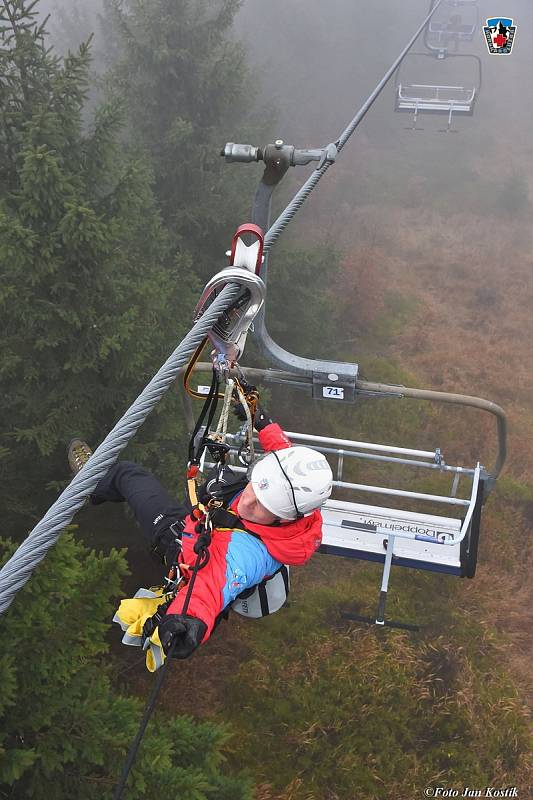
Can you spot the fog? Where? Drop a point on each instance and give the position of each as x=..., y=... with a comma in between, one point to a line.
x=316, y=65
x=320, y=63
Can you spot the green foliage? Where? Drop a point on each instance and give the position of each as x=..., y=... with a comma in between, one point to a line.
x=514, y=490
x=91, y=300
x=64, y=731
x=300, y=291
x=185, y=83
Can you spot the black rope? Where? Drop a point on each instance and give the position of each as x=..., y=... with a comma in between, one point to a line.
x=208, y=409
x=142, y=728
x=201, y=561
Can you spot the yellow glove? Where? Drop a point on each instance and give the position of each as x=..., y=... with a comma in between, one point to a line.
x=131, y=616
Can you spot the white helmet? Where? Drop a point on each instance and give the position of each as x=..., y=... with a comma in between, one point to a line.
x=293, y=482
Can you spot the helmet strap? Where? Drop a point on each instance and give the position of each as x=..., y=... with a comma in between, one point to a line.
x=299, y=514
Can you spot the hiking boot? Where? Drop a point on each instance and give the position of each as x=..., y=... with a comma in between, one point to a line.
x=79, y=453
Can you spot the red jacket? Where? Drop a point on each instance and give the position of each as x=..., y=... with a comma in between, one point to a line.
x=292, y=543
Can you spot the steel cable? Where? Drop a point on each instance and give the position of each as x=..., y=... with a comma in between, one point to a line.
x=19, y=568
x=277, y=228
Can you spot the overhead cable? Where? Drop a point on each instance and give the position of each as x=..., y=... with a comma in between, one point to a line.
x=19, y=568
x=277, y=228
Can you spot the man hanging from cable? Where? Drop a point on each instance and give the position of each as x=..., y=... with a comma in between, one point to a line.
x=249, y=526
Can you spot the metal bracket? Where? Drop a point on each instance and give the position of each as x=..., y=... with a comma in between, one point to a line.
x=229, y=333
x=278, y=157
x=334, y=386
x=379, y=619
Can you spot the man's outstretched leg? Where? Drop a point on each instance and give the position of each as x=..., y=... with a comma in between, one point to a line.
x=155, y=510
x=161, y=518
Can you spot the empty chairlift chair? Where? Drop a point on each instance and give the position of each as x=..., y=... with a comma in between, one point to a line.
x=456, y=21
x=438, y=97
x=383, y=532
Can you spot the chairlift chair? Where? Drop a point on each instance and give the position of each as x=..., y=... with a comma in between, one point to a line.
x=438, y=98
x=450, y=26
x=385, y=532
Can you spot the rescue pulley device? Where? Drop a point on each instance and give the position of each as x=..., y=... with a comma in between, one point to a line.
x=228, y=336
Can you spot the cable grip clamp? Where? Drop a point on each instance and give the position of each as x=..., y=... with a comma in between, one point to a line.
x=228, y=334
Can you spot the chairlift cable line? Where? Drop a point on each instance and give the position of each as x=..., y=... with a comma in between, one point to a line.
x=277, y=228
x=19, y=568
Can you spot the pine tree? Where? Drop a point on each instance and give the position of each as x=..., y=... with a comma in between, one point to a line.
x=64, y=731
x=188, y=91
x=90, y=299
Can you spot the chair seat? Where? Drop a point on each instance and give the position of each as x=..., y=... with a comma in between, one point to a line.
x=425, y=97
x=423, y=541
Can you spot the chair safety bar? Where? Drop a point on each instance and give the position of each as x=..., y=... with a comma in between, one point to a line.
x=378, y=448
x=235, y=440
x=443, y=30
x=433, y=97
x=444, y=539
x=432, y=498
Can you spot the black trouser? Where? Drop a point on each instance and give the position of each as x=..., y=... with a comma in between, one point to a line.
x=154, y=509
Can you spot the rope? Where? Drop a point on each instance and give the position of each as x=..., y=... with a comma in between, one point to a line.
x=277, y=228
x=18, y=570
x=249, y=423
x=134, y=747
x=222, y=427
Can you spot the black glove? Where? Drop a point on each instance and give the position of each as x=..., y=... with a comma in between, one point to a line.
x=181, y=633
x=167, y=545
x=246, y=387
x=260, y=419
x=221, y=487
x=238, y=408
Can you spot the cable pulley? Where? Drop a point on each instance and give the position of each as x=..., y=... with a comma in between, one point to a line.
x=228, y=335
